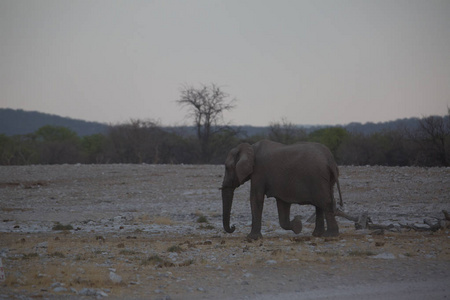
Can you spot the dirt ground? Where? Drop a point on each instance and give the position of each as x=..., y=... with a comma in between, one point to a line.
x=154, y=232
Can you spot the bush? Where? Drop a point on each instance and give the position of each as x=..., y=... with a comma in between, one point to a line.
x=202, y=219
x=427, y=144
x=59, y=226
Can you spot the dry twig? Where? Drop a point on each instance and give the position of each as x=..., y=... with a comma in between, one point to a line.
x=363, y=221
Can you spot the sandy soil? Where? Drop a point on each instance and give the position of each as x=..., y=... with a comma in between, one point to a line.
x=154, y=232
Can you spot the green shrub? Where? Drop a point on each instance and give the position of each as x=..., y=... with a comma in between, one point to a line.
x=59, y=226
x=202, y=219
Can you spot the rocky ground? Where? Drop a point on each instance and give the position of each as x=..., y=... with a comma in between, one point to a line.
x=154, y=232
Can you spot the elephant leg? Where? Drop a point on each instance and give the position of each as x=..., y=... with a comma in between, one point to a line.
x=320, y=223
x=257, y=204
x=332, y=226
x=284, y=211
x=297, y=224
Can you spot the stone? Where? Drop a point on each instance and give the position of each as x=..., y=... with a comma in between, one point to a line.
x=56, y=284
x=384, y=255
x=101, y=293
x=42, y=245
x=88, y=292
x=115, y=278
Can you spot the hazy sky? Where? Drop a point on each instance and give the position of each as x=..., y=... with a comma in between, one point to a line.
x=310, y=62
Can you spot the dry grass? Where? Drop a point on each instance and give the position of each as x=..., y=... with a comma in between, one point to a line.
x=361, y=253
x=83, y=260
x=175, y=248
x=190, y=258
x=11, y=209
x=162, y=221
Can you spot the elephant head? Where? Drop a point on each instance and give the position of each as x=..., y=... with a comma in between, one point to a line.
x=238, y=169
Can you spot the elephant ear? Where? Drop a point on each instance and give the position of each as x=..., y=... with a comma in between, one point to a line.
x=244, y=165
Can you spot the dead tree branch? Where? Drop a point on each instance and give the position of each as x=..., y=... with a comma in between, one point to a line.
x=363, y=221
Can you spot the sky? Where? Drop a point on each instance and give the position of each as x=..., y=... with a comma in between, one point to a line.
x=306, y=62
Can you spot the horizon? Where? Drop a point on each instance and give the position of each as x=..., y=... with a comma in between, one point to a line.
x=307, y=62
x=232, y=125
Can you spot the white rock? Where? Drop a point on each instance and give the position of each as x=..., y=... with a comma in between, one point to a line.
x=115, y=278
x=42, y=245
x=101, y=293
x=60, y=289
x=173, y=256
x=384, y=255
x=87, y=292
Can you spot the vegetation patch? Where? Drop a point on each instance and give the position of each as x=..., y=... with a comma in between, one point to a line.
x=361, y=253
x=413, y=141
x=329, y=253
x=186, y=263
x=207, y=227
x=11, y=209
x=202, y=219
x=157, y=261
x=301, y=239
x=162, y=221
x=59, y=226
x=57, y=254
x=9, y=184
x=128, y=252
x=30, y=256
x=175, y=248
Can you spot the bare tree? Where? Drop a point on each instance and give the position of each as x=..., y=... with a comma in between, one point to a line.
x=136, y=142
x=433, y=139
x=286, y=132
x=206, y=106
x=436, y=132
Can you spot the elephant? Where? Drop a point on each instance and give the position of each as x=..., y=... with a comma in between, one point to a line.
x=302, y=173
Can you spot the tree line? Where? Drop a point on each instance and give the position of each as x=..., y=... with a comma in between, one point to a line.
x=140, y=141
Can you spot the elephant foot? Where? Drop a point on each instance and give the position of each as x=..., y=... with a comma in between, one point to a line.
x=318, y=232
x=297, y=225
x=254, y=236
x=331, y=233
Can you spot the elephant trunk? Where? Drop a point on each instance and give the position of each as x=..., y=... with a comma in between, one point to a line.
x=227, y=200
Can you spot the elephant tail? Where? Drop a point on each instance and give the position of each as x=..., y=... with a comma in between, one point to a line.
x=341, y=203
x=335, y=175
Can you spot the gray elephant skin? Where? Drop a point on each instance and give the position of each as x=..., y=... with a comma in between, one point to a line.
x=303, y=173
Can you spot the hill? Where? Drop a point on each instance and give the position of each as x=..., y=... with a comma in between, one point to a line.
x=13, y=122
x=370, y=128
x=359, y=128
